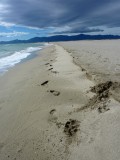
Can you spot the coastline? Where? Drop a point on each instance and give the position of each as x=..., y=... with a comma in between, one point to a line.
x=33, y=116
x=17, y=53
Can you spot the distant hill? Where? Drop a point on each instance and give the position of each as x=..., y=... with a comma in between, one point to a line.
x=62, y=38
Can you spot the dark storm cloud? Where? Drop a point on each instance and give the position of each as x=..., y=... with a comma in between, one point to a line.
x=79, y=15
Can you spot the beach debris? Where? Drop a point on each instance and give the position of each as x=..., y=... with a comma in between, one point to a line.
x=71, y=127
x=50, y=69
x=44, y=83
x=55, y=93
x=50, y=65
x=102, y=90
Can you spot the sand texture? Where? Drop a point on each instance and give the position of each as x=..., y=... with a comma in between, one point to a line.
x=63, y=104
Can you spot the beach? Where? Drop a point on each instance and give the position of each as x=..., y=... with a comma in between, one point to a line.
x=64, y=104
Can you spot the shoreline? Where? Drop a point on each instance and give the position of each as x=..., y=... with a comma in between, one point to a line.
x=40, y=97
x=20, y=56
x=30, y=57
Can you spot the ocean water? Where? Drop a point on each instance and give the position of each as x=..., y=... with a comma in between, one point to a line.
x=12, y=54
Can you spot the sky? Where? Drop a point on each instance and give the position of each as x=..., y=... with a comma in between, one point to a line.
x=24, y=19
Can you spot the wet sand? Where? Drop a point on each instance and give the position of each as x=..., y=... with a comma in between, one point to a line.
x=54, y=107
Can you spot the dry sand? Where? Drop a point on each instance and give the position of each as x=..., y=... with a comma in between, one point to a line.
x=63, y=118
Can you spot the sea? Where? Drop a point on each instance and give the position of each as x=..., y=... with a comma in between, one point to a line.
x=12, y=54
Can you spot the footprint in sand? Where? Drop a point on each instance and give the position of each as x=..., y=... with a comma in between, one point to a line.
x=54, y=72
x=44, y=83
x=83, y=69
x=71, y=127
x=52, y=111
x=50, y=69
x=103, y=108
x=55, y=93
x=53, y=116
x=46, y=64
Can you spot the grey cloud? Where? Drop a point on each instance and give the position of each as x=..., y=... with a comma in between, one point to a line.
x=78, y=30
x=79, y=15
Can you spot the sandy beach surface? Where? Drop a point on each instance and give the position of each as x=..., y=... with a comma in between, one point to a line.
x=63, y=104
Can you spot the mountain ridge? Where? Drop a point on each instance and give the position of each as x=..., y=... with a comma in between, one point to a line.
x=57, y=38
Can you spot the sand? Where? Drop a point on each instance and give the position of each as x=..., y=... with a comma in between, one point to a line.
x=50, y=109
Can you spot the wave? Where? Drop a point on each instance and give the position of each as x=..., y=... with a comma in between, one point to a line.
x=15, y=58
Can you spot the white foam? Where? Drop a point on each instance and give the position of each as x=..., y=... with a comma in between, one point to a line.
x=15, y=58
